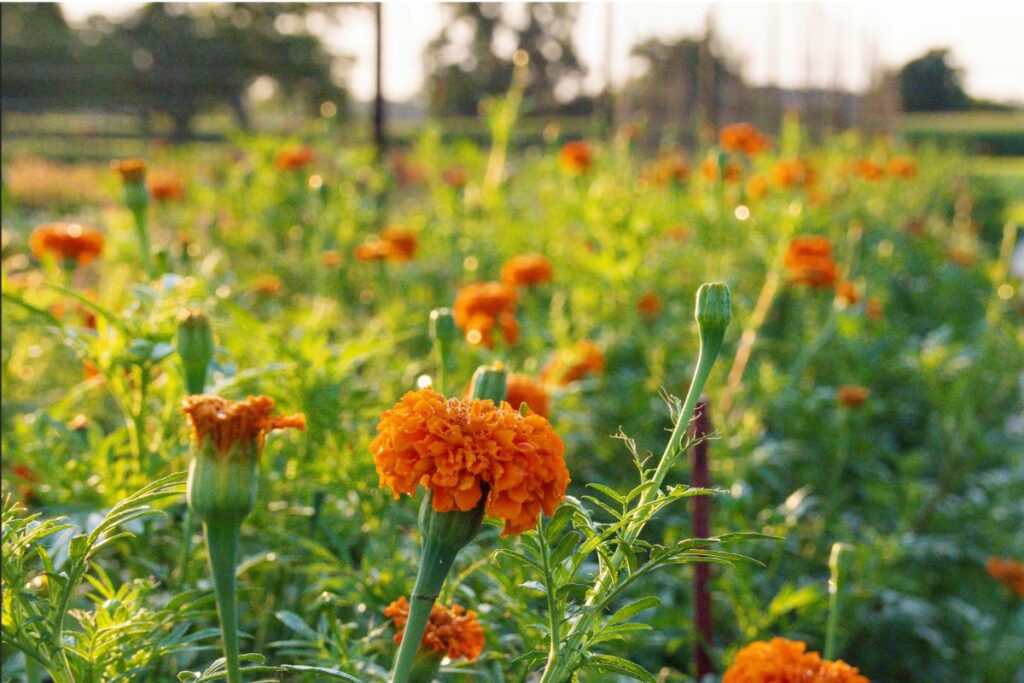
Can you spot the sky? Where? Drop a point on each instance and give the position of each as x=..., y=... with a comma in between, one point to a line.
x=791, y=43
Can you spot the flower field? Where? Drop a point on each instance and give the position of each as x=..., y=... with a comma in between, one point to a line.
x=748, y=412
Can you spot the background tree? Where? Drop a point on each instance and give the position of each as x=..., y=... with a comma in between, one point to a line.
x=929, y=83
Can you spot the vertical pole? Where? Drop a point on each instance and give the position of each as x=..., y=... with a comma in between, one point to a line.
x=379, y=140
x=609, y=24
x=700, y=478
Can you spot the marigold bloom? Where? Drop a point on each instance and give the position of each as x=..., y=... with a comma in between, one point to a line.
x=868, y=169
x=521, y=389
x=1008, y=571
x=457, y=448
x=373, y=250
x=742, y=137
x=790, y=173
x=575, y=363
x=454, y=633
x=786, y=661
x=709, y=171
x=808, y=261
x=226, y=423
x=649, y=304
x=576, y=157
x=852, y=395
x=480, y=306
x=401, y=242
x=901, y=167
x=132, y=171
x=68, y=242
x=330, y=258
x=670, y=167
x=527, y=269
x=873, y=309
x=847, y=293
x=165, y=187
x=455, y=177
x=680, y=232
x=293, y=158
x=756, y=187
x=268, y=285
x=406, y=171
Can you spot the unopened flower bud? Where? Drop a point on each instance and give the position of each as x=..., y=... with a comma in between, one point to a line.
x=195, y=347
x=713, y=310
x=442, y=325
x=133, y=175
x=490, y=382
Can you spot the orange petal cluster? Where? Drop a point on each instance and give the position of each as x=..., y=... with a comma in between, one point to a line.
x=453, y=632
x=868, y=169
x=394, y=243
x=1007, y=571
x=67, y=242
x=165, y=187
x=670, y=167
x=847, y=293
x=293, y=158
x=787, y=661
x=268, y=285
x=742, y=137
x=455, y=177
x=527, y=269
x=227, y=423
x=852, y=395
x=790, y=173
x=808, y=261
x=481, y=306
x=330, y=258
x=576, y=157
x=464, y=450
x=709, y=170
x=132, y=171
x=649, y=305
x=575, y=363
x=901, y=167
x=521, y=389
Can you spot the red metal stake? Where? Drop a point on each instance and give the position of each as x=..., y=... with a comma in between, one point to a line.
x=699, y=478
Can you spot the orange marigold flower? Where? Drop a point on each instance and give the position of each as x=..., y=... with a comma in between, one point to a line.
x=901, y=167
x=868, y=169
x=709, y=171
x=1008, y=571
x=873, y=309
x=455, y=177
x=293, y=158
x=330, y=258
x=521, y=389
x=457, y=448
x=576, y=157
x=847, y=293
x=69, y=242
x=575, y=363
x=373, y=250
x=649, y=304
x=961, y=256
x=226, y=422
x=480, y=306
x=808, y=261
x=527, y=269
x=268, y=285
x=787, y=661
x=132, y=171
x=680, y=232
x=852, y=395
x=23, y=471
x=401, y=242
x=756, y=187
x=742, y=137
x=790, y=173
x=407, y=171
x=165, y=187
x=454, y=633
x=670, y=167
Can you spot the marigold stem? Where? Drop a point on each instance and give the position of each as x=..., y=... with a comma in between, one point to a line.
x=222, y=546
x=837, y=566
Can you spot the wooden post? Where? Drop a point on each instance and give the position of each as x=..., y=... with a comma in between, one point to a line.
x=700, y=478
x=379, y=139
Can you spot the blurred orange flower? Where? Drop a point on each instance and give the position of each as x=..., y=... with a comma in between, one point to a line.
x=465, y=450
x=529, y=390
x=790, y=173
x=293, y=158
x=453, y=633
x=165, y=187
x=901, y=167
x=787, y=661
x=227, y=423
x=649, y=304
x=808, y=261
x=576, y=157
x=393, y=244
x=742, y=137
x=847, y=293
x=455, y=177
x=575, y=363
x=756, y=187
x=961, y=256
x=330, y=258
x=480, y=306
x=709, y=170
x=868, y=169
x=527, y=269
x=268, y=285
x=68, y=242
x=132, y=171
x=670, y=167
x=852, y=395
x=1008, y=571
x=873, y=309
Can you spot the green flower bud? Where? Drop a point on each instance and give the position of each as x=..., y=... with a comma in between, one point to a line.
x=714, y=310
x=489, y=382
x=136, y=197
x=222, y=487
x=195, y=347
x=442, y=325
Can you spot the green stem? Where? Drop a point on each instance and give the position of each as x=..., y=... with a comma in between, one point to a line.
x=435, y=561
x=222, y=545
x=444, y=354
x=139, y=214
x=187, y=526
x=835, y=602
x=553, y=611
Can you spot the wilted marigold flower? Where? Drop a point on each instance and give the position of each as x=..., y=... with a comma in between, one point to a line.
x=901, y=167
x=454, y=633
x=521, y=389
x=786, y=661
x=268, y=285
x=68, y=242
x=480, y=306
x=527, y=269
x=1007, y=571
x=576, y=157
x=742, y=137
x=575, y=363
x=852, y=395
x=224, y=423
x=808, y=261
x=132, y=171
x=293, y=158
x=457, y=448
x=649, y=304
x=165, y=187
